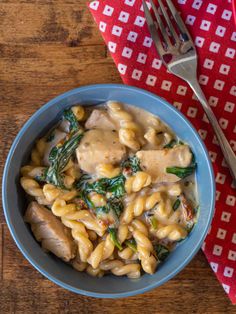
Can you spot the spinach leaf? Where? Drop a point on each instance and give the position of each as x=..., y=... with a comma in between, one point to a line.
x=161, y=252
x=82, y=181
x=132, y=163
x=116, y=205
x=181, y=172
x=69, y=116
x=86, y=199
x=114, y=185
x=42, y=177
x=98, y=186
x=176, y=204
x=171, y=144
x=59, y=157
x=102, y=210
x=114, y=239
x=153, y=222
x=131, y=243
x=50, y=137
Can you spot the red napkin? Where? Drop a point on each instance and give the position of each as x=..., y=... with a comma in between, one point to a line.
x=123, y=27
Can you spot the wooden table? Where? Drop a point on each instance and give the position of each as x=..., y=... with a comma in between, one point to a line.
x=46, y=48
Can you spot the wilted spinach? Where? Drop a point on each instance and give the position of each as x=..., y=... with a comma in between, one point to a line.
x=59, y=157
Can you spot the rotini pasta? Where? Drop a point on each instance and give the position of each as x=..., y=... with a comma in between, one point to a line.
x=118, y=268
x=139, y=205
x=128, y=254
x=69, y=211
x=172, y=232
x=152, y=137
x=128, y=129
x=102, y=251
x=138, y=181
x=79, y=112
x=38, y=152
x=111, y=213
x=107, y=171
x=95, y=272
x=145, y=249
x=51, y=193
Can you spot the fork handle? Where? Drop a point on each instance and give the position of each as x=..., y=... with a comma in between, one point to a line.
x=224, y=144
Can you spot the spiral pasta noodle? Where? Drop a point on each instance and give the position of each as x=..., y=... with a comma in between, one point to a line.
x=69, y=211
x=128, y=254
x=38, y=152
x=51, y=193
x=138, y=181
x=152, y=137
x=79, y=112
x=173, y=232
x=119, y=268
x=107, y=171
x=78, y=231
x=139, y=205
x=145, y=249
x=128, y=129
x=33, y=188
x=157, y=138
x=102, y=251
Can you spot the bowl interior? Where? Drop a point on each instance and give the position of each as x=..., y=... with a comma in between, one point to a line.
x=15, y=203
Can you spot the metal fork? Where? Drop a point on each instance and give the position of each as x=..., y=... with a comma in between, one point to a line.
x=179, y=55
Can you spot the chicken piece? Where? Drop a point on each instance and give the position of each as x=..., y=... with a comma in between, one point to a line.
x=155, y=162
x=50, y=231
x=99, y=147
x=100, y=119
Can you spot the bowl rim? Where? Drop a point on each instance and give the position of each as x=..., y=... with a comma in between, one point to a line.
x=34, y=262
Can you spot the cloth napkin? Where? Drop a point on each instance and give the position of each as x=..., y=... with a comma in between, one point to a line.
x=122, y=25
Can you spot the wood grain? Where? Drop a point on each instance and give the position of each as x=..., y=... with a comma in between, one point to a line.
x=46, y=48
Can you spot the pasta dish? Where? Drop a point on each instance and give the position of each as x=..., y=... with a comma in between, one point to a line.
x=110, y=189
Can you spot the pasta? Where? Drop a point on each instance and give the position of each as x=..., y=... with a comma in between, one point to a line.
x=38, y=152
x=69, y=211
x=172, y=232
x=128, y=129
x=145, y=248
x=117, y=189
x=79, y=112
x=33, y=188
x=107, y=171
x=139, y=205
x=152, y=137
x=135, y=183
x=102, y=251
x=51, y=193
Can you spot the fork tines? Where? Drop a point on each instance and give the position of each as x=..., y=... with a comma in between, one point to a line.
x=171, y=40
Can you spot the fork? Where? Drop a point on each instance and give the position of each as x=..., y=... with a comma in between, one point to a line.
x=179, y=55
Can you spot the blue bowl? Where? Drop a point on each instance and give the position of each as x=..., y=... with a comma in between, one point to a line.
x=14, y=200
